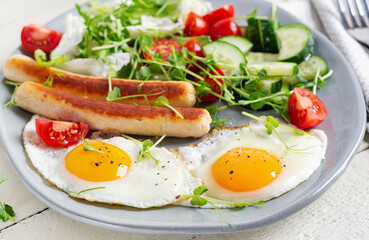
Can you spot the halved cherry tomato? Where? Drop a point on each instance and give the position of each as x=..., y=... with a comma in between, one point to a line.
x=162, y=46
x=213, y=85
x=195, y=25
x=223, y=28
x=38, y=37
x=60, y=134
x=194, y=46
x=227, y=11
x=305, y=109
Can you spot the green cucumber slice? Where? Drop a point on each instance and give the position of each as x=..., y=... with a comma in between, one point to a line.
x=262, y=33
x=259, y=57
x=308, y=69
x=273, y=68
x=273, y=85
x=242, y=43
x=227, y=56
x=297, y=43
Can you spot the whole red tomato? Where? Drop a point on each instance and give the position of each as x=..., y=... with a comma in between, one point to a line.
x=38, y=37
x=227, y=11
x=195, y=25
x=223, y=28
x=214, y=86
x=305, y=109
x=194, y=46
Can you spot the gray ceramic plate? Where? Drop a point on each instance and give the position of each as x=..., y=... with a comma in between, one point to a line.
x=344, y=127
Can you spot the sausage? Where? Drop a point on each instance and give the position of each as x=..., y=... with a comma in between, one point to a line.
x=103, y=115
x=20, y=68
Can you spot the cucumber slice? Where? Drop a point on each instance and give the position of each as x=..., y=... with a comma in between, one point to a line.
x=202, y=39
x=307, y=69
x=297, y=43
x=227, y=56
x=274, y=68
x=259, y=57
x=291, y=80
x=242, y=43
x=262, y=33
x=273, y=85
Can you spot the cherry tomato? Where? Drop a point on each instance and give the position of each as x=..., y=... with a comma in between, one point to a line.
x=227, y=11
x=195, y=25
x=60, y=134
x=38, y=37
x=163, y=46
x=214, y=86
x=223, y=28
x=305, y=109
x=194, y=46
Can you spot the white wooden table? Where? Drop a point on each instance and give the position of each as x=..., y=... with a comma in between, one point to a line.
x=341, y=213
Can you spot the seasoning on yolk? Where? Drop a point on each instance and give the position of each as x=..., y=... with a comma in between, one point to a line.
x=245, y=169
x=95, y=166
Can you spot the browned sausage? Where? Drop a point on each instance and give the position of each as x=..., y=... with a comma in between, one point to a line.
x=20, y=68
x=103, y=115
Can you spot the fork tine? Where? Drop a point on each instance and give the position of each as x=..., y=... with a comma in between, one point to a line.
x=342, y=10
x=361, y=12
x=352, y=12
x=366, y=7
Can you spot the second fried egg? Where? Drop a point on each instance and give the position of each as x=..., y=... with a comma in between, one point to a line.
x=248, y=165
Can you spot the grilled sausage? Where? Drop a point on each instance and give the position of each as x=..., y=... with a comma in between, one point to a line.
x=20, y=68
x=103, y=115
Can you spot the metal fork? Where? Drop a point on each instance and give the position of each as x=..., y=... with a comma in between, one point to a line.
x=355, y=18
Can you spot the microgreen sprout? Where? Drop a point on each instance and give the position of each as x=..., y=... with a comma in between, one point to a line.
x=12, y=102
x=41, y=59
x=197, y=199
x=114, y=95
x=50, y=79
x=271, y=124
x=6, y=212
x=89, y=148
x=147, y=146
x=163, y=101
x=85, y=190
x=214, y=113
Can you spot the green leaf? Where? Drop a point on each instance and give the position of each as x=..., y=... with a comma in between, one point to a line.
x=202, y=89
x=273, y=121
x=258, y=105
x=198, y=201
x=145, y=72
x=41, y=59
x=9, y=210
x=200, y=190
x=262, y=73
x=113, y=95
x=269, y=128
x=299, y=131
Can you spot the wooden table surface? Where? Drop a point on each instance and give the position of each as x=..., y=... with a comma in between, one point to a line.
x=341, y=213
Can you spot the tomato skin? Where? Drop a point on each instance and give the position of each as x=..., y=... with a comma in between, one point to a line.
x=224, y=28
x=214, y=86
x=305, y=109
x=227, y=11
x=39, y=37
x=162, y=46
x=195, y=25
x=194, y=46
x=59, y=133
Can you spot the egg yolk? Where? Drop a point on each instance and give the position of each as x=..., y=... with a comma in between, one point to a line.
x=102, y=162
x=245, y=169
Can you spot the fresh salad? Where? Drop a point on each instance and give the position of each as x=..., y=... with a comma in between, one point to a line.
x=264, y=65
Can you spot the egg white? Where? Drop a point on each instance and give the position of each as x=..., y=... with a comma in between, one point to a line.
x=145, y=185
x=296, y=166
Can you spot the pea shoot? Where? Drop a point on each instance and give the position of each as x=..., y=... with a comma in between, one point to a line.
x=6, y=211
x=85, y=190
x=197, y=199
x=163, y=101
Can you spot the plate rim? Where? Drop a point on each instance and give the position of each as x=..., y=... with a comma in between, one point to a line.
x=210, y=227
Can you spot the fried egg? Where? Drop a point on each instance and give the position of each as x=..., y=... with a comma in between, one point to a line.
x=112, y=175
x=245, y=164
